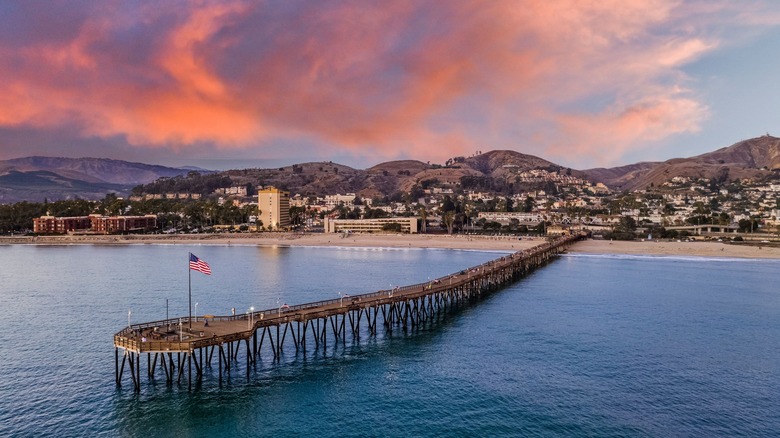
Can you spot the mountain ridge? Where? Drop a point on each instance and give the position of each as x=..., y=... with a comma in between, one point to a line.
x=36, y=178
x=753, y=158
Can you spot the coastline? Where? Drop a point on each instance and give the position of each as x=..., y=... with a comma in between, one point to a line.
x=439, y=241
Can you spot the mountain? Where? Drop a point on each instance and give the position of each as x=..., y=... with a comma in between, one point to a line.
x=617, y=177
x=38, y=178
x=755, y=158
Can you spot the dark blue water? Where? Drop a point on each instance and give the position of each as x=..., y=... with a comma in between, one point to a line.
x=587, y=346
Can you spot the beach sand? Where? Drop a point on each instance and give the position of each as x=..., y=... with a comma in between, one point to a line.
x=505, y=243
x=675, y=248
x=655, y=247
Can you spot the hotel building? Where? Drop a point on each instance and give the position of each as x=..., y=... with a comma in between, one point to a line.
x=94, y=224
x=274, y=206
x=408, y=225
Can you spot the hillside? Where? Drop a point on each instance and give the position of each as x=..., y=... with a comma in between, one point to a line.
x=39, y=178
x=755, y=158
x=491, y=170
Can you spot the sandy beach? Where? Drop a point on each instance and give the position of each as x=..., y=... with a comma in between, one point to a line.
x=294, y=239
x=675, y=248
x=505, y=243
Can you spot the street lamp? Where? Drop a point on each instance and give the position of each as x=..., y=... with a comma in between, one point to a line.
x=251, y=316
x=196, y=311
x=341, y=299
x=129, y=312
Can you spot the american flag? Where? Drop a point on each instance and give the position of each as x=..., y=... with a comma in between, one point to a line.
x=199, y=265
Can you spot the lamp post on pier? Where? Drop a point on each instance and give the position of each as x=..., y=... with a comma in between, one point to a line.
x=341, y=299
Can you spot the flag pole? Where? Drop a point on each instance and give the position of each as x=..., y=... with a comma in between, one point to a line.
x=189, y=288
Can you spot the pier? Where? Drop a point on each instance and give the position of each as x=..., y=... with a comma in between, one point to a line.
x=180, y=346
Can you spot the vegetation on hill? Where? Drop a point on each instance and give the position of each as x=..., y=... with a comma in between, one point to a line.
x=193, y=182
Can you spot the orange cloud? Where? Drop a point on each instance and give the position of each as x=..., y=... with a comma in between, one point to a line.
x=603, y=138
x=550, y=76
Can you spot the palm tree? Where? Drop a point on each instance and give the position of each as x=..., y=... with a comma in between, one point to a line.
x=424, y=217
x=449, y=220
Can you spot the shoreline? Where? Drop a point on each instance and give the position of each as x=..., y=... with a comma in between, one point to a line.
x=418, y=241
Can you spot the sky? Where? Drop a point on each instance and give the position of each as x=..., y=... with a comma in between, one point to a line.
x=236, y=84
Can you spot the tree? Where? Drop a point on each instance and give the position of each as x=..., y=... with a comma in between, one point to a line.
x=748, y=225
x=448, y=218
x=528, y=204
x=624, y=230
x=491, y=226
x=626, y=224
x=447, y=205
x=424, y=220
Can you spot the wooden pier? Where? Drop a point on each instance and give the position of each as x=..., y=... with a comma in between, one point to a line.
x=174, y=347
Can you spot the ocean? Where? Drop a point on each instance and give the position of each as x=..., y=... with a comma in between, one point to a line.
x=589, y=345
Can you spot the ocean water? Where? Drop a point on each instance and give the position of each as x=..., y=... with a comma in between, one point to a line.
x=589, y=345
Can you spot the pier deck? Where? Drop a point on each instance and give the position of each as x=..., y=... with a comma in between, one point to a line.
x=309, y=322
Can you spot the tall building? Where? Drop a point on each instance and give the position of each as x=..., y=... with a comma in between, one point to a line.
x=274, y=206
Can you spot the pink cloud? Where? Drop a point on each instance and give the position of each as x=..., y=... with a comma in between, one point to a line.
x=549, y=77
x=604, y=137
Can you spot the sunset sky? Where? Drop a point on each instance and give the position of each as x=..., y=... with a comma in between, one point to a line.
x=233, y=84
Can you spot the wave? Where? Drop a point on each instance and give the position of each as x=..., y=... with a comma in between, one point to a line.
x=689, y=258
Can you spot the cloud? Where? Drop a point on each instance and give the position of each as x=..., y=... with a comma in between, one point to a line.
x=604, y=137
x=388, y=79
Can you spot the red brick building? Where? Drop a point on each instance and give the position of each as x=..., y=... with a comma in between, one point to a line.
x=60, y=225
x=94, y=223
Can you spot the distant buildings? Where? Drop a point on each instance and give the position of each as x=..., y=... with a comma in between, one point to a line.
x=94, y=223
x=347, y=200
x=380, y=225
x=274, y=206
x=232, y=191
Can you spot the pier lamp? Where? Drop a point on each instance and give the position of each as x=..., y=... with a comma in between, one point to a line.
x=341, y=300
x=129, y=312
x=251, y=316
x=196, y=311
